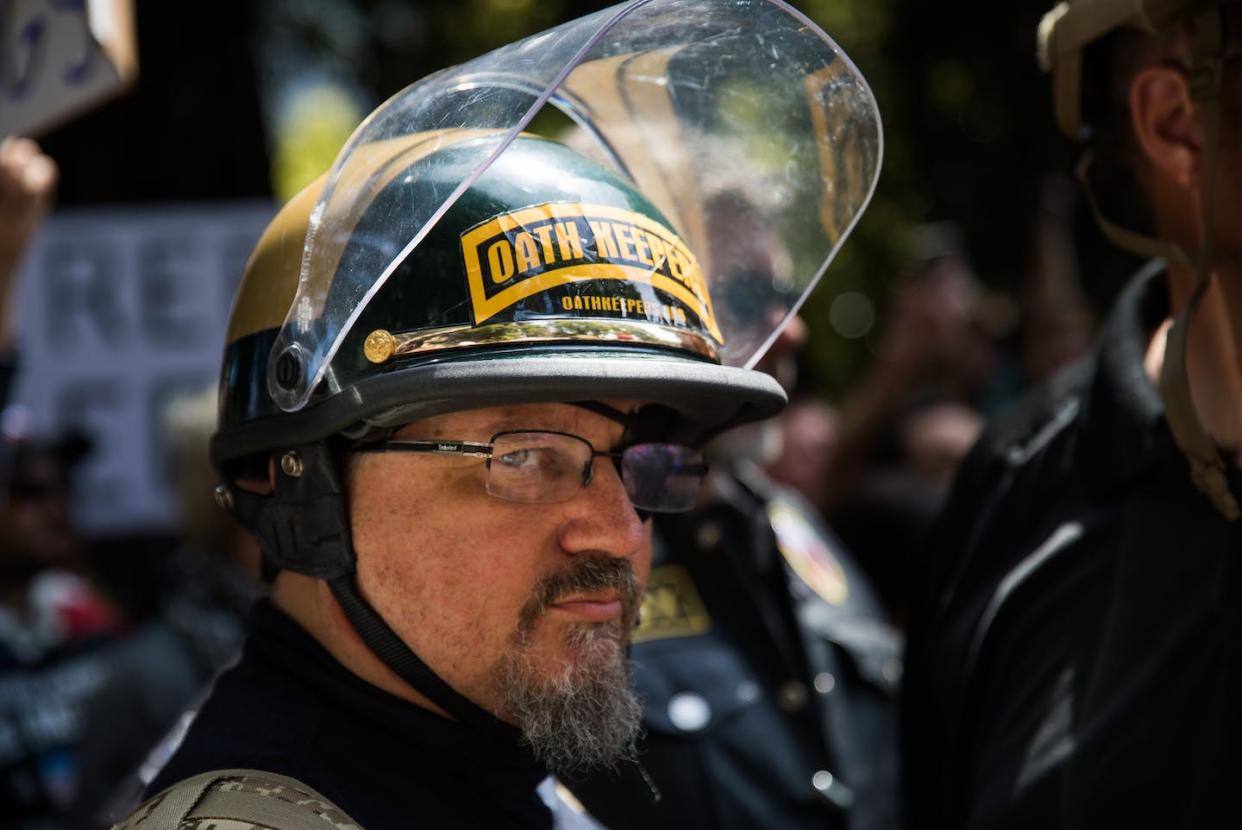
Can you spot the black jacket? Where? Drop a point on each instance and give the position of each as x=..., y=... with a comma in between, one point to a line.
x=288, y=707
x=1077, y=658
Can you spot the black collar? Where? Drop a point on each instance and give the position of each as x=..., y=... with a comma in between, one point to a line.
x=282, y=642
x=1124, y=426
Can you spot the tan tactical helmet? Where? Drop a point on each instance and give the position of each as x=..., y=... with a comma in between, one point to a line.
x=1073, y=25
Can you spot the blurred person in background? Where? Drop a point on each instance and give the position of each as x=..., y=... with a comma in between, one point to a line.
x=890, y=450
x=45, y=597
x=212, y=578
x=810, y=432
x=56, y=630
x=767, y=669
x=953, y=352
x=1074, y=656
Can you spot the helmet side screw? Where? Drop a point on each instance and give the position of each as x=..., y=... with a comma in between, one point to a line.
x=224, y=498
x=288, y=368
x=380, y=345
x=291, y=464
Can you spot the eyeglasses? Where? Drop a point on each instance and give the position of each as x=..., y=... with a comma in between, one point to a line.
x=550, y=467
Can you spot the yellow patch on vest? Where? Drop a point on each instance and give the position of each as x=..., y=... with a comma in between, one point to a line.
x=672, y=606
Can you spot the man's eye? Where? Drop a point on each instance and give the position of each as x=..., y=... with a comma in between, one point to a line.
x=526, y=458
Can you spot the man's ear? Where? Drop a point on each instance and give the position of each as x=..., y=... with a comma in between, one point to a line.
x=1164, y=121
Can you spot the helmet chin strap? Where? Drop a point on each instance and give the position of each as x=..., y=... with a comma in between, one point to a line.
x=1207, y=468
x=396, y=655
x=303, y=526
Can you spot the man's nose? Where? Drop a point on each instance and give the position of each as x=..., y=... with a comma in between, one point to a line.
x=601, y=518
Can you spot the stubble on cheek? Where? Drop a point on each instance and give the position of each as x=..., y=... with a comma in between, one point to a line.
x=441, y=619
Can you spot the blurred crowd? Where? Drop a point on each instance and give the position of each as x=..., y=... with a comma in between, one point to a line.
x=878, y=462
x=89, y=685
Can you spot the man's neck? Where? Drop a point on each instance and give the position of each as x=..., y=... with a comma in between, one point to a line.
x=1213, y=353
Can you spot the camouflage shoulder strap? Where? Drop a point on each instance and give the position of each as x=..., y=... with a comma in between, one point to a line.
x=238, y=799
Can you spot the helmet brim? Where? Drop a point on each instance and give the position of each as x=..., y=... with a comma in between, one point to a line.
x=709, y=397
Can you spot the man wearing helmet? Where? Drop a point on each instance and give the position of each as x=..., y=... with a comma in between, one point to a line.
x=498, y=552
x=463, y=369
x=1075, y=662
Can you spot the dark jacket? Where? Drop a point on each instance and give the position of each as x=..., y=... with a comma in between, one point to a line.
x=288, y=707
x=1076, y=661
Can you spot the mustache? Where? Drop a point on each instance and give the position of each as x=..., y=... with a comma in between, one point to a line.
x=589, y=573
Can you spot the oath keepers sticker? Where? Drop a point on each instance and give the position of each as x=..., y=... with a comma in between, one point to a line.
x=587, y=261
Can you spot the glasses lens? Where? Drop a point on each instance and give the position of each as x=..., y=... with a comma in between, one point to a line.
x=662, y=478
x=537, y=467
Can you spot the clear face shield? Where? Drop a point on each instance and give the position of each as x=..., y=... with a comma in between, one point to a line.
x=740, y=121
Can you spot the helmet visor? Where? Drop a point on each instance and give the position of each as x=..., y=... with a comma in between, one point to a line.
x=744, y=125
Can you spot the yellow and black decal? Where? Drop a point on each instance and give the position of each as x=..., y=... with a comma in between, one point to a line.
x=568, y=252
x=672, y=606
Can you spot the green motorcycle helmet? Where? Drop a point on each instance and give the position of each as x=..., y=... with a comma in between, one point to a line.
x=549, y=279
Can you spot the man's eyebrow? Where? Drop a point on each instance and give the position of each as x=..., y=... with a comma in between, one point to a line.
x=527, y=422
x=482, y=432
x=509, y=418
x=519, y=422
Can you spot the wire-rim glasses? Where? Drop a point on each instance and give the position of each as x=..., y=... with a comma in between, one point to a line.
x=546, y=467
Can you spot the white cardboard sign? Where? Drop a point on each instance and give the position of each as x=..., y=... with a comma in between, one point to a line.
x=119, y=310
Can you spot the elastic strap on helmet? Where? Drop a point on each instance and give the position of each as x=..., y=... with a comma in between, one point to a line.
x=1207, y=468
x=1151, y=247
x=396, y=655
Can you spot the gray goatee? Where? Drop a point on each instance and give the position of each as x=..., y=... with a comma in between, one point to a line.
x=584, y=714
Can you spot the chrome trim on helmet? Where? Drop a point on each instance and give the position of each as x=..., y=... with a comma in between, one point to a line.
x=381, y=345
